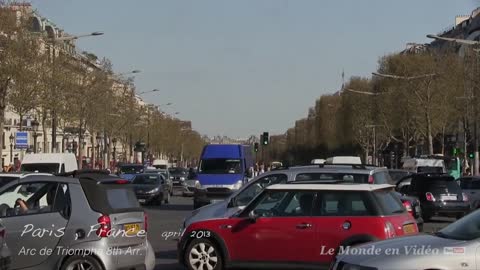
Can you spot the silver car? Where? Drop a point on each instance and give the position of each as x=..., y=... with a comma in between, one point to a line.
x=90, y=221
x=452, y=248
x=238, y=200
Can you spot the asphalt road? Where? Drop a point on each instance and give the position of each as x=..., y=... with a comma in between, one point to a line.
x=167, y=219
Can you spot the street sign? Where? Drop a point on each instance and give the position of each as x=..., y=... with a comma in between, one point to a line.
x=21, y=140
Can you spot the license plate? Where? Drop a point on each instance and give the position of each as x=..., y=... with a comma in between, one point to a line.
x=141, y=201
x=449, y=197
x=131, y=229
x=408, y=229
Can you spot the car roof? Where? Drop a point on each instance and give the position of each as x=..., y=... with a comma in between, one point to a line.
x=346, y=187
x=333, y=168
x=48, y=178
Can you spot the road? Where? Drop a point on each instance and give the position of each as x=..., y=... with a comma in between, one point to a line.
x=168, y=219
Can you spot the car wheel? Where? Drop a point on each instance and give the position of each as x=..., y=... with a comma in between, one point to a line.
x=167, y=199
x=203, y=254
x=81, y=262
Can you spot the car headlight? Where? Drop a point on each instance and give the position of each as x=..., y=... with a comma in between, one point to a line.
x=238, y=184
x=182, y=178
x=155, y=190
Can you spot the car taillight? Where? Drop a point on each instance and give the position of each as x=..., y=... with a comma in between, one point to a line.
x=105, y=226
x=409, y=207
x=429, y=197
x=389, y=230
x=371, y=180
x=121, y=182
x=145, y=217
x=465, y=197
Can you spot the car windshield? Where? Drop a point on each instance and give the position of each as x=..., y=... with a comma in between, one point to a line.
x=329, y=176
x=467, y=228
x=178, y=171
x=41, y=167
x=397, y=175
x=7, y=179
x=131, y=169
x=220, y=166
x=146, y=180
x=441, y=186
x=430, y=169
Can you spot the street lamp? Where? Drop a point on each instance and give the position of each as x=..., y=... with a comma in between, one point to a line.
x=54, y=113
x=146, y=92
x=456, y=40
x=130, y=72
x=363, y=92
x=35, y=124
x=408, y=78
x=12, y=138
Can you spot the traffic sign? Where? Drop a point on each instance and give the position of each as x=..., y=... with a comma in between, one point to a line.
x=21, y=140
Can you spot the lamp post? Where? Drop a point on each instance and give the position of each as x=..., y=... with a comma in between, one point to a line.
x=54, y=40
x=150, y=91
x=12, y=138
x=35, y=124
x=99, y=142
x=469, y=96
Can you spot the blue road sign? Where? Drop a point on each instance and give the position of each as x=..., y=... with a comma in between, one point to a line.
x=21, y=140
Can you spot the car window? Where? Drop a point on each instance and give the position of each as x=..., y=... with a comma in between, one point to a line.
x=389, y=202
x=7, y=179
x=34, y=198
x=121, y=198
x=382, y=178
x=285, y=203
x=342, y=204
x=348, y=177
x=257, y=186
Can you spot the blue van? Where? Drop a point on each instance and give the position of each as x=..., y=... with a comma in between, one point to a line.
x=223, y=169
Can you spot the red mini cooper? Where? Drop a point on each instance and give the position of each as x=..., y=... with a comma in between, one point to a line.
x=301, y=226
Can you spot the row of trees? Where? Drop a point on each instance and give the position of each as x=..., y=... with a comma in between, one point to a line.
x=410, y=105
x=79, y=96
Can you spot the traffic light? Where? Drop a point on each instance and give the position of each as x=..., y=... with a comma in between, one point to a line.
x=255, y=147
x=471, y=155
x=265, y=138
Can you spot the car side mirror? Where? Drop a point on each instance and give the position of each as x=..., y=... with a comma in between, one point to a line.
x=249, y=174
x=253, y=216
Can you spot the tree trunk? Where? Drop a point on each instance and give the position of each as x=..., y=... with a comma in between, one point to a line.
x=429, y=132
x=21, y=122
x=44, y=129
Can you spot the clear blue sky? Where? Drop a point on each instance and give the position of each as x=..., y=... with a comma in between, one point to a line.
x=241, y=67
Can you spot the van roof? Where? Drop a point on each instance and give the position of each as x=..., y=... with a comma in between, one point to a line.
x=46, y=158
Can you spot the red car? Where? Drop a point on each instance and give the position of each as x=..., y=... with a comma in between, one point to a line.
x=300, y=226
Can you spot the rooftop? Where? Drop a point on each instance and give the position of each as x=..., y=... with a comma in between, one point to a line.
x=356, y=187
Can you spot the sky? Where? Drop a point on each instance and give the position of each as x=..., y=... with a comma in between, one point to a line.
x=241, y=67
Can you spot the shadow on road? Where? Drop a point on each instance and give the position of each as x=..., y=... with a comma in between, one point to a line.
x=166, y=254
x=173, y=207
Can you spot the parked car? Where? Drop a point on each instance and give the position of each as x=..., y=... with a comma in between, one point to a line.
x=294, y=225
x=238, y=200
x=454, y=247
x=83, y=209
x=439, y=194
x=179, y=177
x=471, y=187
x=397, y=175
x=151, y=188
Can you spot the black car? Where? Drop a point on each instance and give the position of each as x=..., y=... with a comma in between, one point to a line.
x=179, y=177
x=151, y=188
x=412, y=204
x=439, y=194
x=398, y=174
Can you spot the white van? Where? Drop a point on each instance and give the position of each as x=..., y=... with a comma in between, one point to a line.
x=424, y=165
x=160, y=164
x=344, y=160
x=49, y=163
